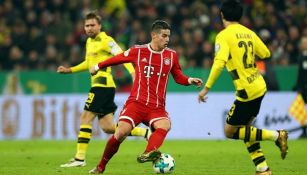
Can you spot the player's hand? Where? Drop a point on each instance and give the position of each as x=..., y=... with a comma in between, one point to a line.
x=196, y=81
x=202, y=95
x=63, y=70
x=94, y=70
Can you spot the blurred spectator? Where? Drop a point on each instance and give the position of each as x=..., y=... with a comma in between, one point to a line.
x=16, y=59
x=33, y=61
x=51, y=58
x=302, y=69
x=292, y=44
x=207, y=54
x=35, y=40
x=302, y=76
x=265, y=66
x=37, y=26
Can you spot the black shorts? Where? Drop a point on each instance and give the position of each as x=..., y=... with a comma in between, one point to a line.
x=242, y=112
x=101, y=101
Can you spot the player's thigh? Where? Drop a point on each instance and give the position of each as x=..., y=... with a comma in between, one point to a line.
x=163, y=124
x=230, y=130
x=107, y=124
x=87, y=117
x=242, y=113
x=101, y=101
x=123, y=130
x=133, y=113
x=159, y=119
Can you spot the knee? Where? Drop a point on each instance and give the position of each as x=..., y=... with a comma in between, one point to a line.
x=120, y=135
x=230, y=131
x=108, y=130
x=86, y=119
x=228, y=134
x=166, y=125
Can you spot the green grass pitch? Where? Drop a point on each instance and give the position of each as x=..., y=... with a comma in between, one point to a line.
x=227, y=157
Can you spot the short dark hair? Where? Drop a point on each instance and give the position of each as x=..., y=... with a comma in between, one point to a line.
x=93, y=15
x=158, y=25
x=232, y=10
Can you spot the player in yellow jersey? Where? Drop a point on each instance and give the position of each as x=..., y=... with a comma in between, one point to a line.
x=100, y=102
x=236, y=47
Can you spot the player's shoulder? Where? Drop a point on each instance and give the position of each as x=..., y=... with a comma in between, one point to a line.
x=137, y=47
x=105, y=36
x=141, y=46
x=223, y=33
x=133, y=49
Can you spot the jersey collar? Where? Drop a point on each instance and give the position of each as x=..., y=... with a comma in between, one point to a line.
x=149, y=48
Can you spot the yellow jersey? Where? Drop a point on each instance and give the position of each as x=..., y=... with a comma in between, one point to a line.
x=98, y=49
x=236, y=48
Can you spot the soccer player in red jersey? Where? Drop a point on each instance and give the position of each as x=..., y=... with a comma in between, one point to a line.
x=153, y=64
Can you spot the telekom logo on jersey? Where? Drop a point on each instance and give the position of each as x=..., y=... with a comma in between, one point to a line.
x=148, y=70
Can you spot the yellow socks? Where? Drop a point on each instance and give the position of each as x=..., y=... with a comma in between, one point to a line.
x=251, y=133
x=257, y=156
x=138, y=131
x=84, y=138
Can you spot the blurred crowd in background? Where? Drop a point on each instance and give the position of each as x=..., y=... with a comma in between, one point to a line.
x=42, y=34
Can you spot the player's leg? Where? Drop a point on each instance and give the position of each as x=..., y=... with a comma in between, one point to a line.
x=142, y=132
x=257, y=156
x=161, y=126
x=122, y=131
x=130, y=116
x=109, y=107
x=253, y=148
x=84, y=137
x=238, y=125
x=251, y=133
x=96, y=103
x=108, y=126
x=106, y=123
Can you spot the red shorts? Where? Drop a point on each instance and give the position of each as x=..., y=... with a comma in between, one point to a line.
x=136, y=113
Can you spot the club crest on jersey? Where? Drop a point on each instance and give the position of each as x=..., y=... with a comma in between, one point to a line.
x=167, y=61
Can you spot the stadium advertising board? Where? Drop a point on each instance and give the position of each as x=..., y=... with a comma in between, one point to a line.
x=57, y=116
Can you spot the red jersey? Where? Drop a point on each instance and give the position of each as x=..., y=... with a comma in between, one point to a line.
x=152, y=71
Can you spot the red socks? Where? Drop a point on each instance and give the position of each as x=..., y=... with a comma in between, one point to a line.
x=111, y=148
x=154, y=142
x=156, y=139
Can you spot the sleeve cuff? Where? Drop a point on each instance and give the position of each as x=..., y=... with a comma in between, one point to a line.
x=72, y=69
x=208, y=86
x=190, y=80
x=96, y=67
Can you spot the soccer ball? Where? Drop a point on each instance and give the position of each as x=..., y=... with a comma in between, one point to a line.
x=165, y=164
